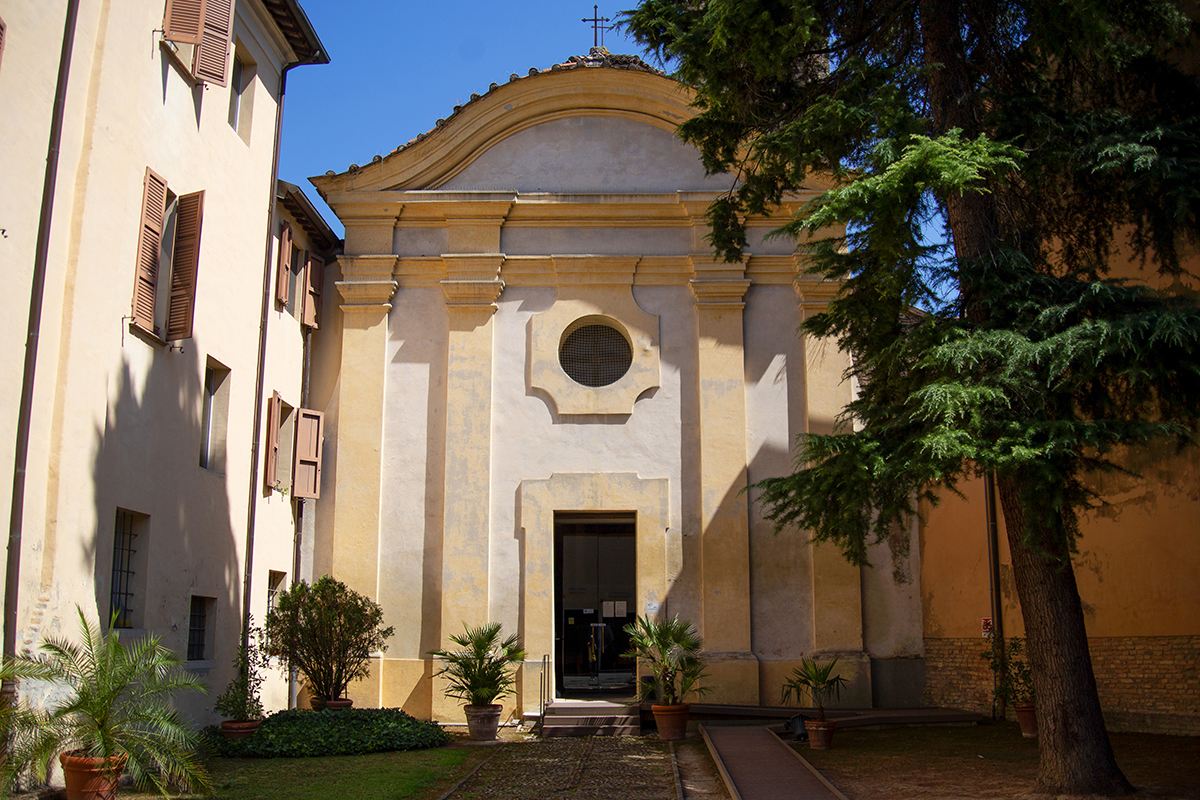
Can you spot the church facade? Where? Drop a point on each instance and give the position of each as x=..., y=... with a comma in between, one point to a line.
x=545, y=402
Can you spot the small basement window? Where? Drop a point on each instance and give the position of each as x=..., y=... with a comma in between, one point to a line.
x=594, y=352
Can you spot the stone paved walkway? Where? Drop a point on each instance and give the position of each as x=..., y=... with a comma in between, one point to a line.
x=591, y=768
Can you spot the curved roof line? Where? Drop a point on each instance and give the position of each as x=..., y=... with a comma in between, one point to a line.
x=581, y=89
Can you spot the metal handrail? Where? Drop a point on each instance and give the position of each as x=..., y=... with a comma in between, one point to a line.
x=544, y=686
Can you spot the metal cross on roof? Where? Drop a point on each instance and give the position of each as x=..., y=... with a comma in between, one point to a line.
x=598, y=26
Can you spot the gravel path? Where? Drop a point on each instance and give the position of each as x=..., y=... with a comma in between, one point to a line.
x=591, y=768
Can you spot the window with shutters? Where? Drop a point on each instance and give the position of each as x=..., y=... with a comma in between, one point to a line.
x=290, y=271
x=281, y=434
x=168, y=254
x=314, y=283
x=199, y=33
x=214, y=417
x=293, y=449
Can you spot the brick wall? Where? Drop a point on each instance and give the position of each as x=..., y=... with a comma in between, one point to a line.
x=1149, y=683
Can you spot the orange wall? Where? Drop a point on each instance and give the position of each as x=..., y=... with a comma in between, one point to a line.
x=1138, y=566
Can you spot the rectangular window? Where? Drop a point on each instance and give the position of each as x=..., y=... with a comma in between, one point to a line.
x=199, y=638
x=214, y=417
x=241, y=94
x=274, y=587
x=164, y=294
x=121, y=596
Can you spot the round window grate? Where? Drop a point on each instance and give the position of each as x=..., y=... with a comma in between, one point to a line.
x=595, y=354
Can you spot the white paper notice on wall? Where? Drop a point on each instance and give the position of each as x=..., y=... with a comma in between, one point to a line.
x=651, y=608
x=619, y=609
x=606, y=608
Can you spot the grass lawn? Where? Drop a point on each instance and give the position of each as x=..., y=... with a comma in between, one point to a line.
x=419, y=775
x=986, y=761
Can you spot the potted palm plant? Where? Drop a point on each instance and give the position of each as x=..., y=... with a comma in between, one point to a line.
x=328, y=631
x=819, y=682
x=670, y=651
x=109, y=713
x=479, y=673
x=240, y=701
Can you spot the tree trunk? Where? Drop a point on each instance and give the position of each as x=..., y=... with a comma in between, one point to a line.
x=1076, y=756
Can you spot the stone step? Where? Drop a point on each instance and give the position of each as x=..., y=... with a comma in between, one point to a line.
x=589, y=730
x=593, y=720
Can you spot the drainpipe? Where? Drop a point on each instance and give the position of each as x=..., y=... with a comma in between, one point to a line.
x=993, y=542
x=259, y=377
x=37, y=290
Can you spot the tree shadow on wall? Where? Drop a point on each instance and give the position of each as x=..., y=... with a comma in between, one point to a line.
x=149, y=483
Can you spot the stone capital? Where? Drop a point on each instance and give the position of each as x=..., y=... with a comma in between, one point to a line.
x=816, y=294
x=472, y=279
x=365, y=296
x=719, y=292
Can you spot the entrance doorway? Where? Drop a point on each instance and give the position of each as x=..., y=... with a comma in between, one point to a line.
x=595, y=580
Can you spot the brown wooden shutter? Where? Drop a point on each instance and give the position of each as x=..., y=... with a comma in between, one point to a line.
x=210, y=61
x=271, y=469
x=285, y=264
x=3, y=29
x=314, y=282
x=188, y=216
x=306, y=471
x=154, y=208
x=184, y=21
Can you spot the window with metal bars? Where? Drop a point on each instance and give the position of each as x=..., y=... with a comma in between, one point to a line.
x=594, y=354
x=198, y=629
x=274, y=587
x=120, y=602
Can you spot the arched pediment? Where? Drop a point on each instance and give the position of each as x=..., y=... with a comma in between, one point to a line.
x=560, y=111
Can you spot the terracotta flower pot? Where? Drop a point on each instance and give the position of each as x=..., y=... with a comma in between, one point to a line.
x=820, y=733
x=239, y=728
x=672, y=721
x=1027, y=717
x=339, y=704
x=483, y=721
x=91, y=777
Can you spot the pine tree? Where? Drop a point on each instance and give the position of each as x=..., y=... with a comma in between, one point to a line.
x=1056, y=140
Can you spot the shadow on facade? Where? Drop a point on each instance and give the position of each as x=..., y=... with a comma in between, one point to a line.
x=164, y=527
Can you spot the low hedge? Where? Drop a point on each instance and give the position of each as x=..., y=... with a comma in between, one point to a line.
x=349, y=732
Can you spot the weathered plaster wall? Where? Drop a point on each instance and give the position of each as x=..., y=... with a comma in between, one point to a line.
x=588, y=154
x=117, y=420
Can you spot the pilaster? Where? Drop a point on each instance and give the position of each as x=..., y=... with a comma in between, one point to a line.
x=472, y=286
x=719, y=290
x=836, y=584
x=366, y=295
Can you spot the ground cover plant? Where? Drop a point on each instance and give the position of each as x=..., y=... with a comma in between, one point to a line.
x=352, y=731
x=986, y=761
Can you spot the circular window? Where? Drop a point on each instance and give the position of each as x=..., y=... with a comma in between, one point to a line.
x=593, y=353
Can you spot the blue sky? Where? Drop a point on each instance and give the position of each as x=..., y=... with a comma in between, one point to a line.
x=399, y=66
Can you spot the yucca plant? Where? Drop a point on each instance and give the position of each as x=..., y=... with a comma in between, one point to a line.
x=670, y=649
x=815, y=680
x=108, y=701
x=483, y=669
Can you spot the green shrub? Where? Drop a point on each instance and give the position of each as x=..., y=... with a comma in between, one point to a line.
x=350, y=732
